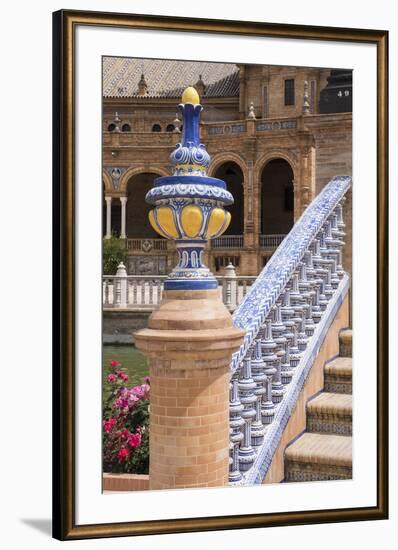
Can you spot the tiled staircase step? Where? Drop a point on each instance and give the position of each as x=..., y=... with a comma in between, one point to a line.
x=345, y=337
x=316, y=457
x=330, y=413
x=338, y=375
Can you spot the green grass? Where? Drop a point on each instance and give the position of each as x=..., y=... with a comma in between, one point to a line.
x=134, y=363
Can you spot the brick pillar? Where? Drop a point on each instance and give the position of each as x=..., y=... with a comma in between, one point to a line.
x=189, y=342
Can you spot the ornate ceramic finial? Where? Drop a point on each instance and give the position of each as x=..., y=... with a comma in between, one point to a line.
x=142, y=86
x=306, y=101
x=189, y=204
x=190, y=95
x=251, y=114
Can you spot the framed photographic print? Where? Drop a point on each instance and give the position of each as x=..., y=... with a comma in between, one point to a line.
x=220, y=286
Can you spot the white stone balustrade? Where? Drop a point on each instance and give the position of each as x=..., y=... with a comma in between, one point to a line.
x=145, y=291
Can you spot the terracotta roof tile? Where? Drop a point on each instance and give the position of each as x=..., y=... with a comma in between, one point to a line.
x=167, y=78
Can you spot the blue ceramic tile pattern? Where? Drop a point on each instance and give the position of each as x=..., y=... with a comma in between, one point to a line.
x=284, y=409
x=254, y=309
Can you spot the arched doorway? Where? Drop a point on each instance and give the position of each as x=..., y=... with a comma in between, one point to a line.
x=277, y=198
x=137, y=209
x=116, y=217
x=231, y=173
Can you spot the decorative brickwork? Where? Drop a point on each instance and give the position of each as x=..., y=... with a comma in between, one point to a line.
x=189, y=425
x=189, y=342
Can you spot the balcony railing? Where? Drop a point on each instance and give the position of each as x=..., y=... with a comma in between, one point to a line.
x=286, y=315
x=227, y=241
x=271, y=241
x=146, y=245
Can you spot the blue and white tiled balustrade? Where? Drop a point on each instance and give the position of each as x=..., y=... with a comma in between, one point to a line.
x=286, y=315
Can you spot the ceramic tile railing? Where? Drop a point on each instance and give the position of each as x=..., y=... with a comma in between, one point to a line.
x=286, y=314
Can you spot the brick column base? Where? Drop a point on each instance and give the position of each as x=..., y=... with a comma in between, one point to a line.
x=189, y=342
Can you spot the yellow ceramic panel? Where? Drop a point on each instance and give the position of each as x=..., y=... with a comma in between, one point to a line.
x=155, y=226
x=227, y=222
x=191, y=220
x=165, y=219
x=225, y=226
x=216, y=222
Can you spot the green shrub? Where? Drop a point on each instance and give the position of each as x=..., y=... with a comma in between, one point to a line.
x=113, y=252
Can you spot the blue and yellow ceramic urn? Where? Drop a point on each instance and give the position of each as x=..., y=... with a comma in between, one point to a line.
x=189, y=205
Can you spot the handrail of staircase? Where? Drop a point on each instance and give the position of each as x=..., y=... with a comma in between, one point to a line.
x=254, y=309
x=286, y=315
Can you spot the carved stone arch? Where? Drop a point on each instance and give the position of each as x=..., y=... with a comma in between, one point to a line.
x=140, y=169
x=236, y=184
x=107, y=181
x=275, y=154
x=221, y=158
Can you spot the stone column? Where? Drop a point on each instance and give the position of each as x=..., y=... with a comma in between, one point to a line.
x=252, y=199
x=108, y=217
x=189, y=342
x=296, y=199
x=123, y=201
x=249, y=205
x=242, y=92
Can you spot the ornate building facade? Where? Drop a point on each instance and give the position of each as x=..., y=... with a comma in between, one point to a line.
x=276, y=135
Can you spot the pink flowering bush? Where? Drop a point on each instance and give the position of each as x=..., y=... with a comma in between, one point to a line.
x=125, y=423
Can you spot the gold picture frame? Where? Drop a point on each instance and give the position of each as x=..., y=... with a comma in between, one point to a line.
x=65, y=24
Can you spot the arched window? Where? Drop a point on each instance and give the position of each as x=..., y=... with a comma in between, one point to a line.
x=231, y=173
x=277, y=198
x=111, y=127
x=170, y=128
x=126, y=128
x=156, y=128
x=137, y=209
